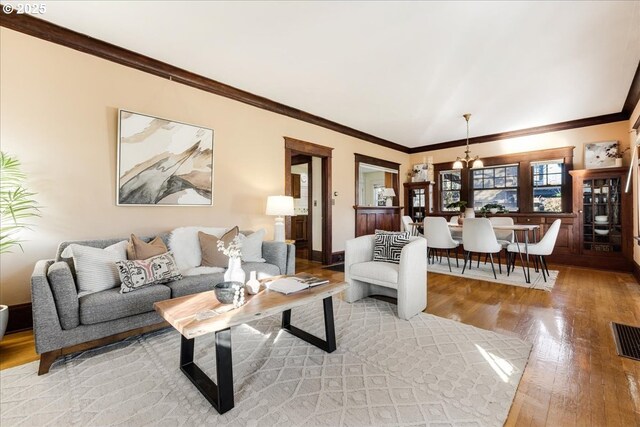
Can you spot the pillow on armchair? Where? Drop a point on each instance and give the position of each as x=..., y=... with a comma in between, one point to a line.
x=389, y=244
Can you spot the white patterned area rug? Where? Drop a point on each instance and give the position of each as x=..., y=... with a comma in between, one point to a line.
x=484, y=272
x=386, y=371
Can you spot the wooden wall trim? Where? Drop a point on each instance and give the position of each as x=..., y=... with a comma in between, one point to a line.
x=53, y=33
x=572, y=124
x=307, y=148
x=20, y=318
x=634, y=94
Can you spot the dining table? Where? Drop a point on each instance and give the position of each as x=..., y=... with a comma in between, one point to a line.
x=525, y=229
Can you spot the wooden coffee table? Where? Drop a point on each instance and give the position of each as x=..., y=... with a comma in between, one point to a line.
x=182, y=314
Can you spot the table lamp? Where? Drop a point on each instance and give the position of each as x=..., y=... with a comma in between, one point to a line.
x=279, y=206
x=389, y=194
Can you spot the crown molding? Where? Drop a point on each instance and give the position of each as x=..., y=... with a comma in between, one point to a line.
x=53, y=33
x=572, y=124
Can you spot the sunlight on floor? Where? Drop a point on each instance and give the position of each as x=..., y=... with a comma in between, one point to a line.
x=503, y=368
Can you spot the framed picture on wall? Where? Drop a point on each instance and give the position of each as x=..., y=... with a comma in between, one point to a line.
x=599, y=154
x=163, y=162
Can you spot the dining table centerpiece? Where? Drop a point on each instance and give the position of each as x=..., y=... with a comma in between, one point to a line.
x=461, y=205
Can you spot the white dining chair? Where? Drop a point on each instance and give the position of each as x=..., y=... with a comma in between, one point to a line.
x=538, y=250
x=406, y=224
x=478, y=237
x=439, y=237
x=505, y=237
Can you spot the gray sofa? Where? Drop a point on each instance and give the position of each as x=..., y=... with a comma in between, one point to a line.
x=64, y=323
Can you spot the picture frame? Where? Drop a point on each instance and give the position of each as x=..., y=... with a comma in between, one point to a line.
x=595, y=154
x=163, y=162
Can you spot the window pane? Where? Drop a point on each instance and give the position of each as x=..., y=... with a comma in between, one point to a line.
x=446, y=185
x=507, y=198
x=477, y=183
x=456, y=185
x=500, y=182
x=547, y=199
x=538, y=169
x=512, y=171
x=512, y=181
x=488, y=173
x=488, y=183
x=450, y=197
x=500, y=171
x=538, y=180
x=477, y=174
x=555, y=168
x=555, y=179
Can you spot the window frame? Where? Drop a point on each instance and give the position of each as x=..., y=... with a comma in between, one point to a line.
x=472, y=190
x=441, y=190
x=525, y=177
x=547, y=185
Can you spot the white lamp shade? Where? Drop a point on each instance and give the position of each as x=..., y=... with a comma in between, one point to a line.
x=280, y=206
x=477, y=164
x=388, y=192
x=457, y=164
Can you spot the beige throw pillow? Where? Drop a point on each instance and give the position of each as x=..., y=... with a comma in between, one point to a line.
x=139, y=249
x=211, y=256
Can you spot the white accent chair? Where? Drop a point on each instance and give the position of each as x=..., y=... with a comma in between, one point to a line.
x=478, y=237
x=438, y=236
x=539, y=250
x=406, y=281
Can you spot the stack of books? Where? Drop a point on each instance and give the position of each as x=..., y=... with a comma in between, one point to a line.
x=299, y=282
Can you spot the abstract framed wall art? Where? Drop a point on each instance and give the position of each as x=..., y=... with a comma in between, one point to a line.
x=600, y=154
x=163, y=162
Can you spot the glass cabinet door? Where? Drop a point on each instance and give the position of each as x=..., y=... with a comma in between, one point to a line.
x=601, y=216
x=417, y=205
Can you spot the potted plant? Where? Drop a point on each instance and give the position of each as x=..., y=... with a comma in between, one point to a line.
x=461, y=205
x=493, y=208
x=616, y=153
x=17, y=207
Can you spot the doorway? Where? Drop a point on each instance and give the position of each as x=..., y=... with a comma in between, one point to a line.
x=311, y=226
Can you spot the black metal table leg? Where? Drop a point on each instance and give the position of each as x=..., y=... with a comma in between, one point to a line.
x=219, y=395
x=328, y=345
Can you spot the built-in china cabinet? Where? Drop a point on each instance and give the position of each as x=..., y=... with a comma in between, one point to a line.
x=605, y=235
x=418, y=199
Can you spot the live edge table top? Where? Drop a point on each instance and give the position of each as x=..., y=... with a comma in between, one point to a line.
x=181, y=312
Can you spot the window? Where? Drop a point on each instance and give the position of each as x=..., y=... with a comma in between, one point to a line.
x=497, y=184
x=450, y=186
x=547, y=186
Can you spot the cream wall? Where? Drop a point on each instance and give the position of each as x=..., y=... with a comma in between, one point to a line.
x=58, y=114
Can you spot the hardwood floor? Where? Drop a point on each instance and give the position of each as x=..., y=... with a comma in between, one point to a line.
x=573, y=378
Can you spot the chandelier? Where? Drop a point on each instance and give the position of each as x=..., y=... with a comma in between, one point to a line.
x=477, y=163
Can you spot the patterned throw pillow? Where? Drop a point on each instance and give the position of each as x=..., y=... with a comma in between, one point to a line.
x=136, y=274
x=388, y=245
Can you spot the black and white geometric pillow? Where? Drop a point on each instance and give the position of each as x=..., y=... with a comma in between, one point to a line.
x=388, y=245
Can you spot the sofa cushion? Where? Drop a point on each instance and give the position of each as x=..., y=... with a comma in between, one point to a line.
x=139, y=249
x=194, y=284
x=139, y=273
x=252, y=246
x=65, y=294
x=211, y=255
x=111, y=304
x=185, y=245
x=262, y=269
x=379, y=273
x=96, y=268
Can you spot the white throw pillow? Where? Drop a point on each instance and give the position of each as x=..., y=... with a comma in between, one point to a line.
x=96, y=268
x=185, y=245
x=251, y=249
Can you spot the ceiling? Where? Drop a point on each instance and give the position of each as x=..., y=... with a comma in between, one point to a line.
x=402, y=71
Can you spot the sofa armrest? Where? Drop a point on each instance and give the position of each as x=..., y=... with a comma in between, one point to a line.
x=275, y=253
x=65, y=294
x=46, y=324
x=358, y=250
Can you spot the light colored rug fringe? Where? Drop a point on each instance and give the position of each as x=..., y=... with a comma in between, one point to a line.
x=515, y=278
x=386, y=371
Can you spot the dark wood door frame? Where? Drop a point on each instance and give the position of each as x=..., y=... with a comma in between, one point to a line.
x=300, y=159
x=293, y=147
